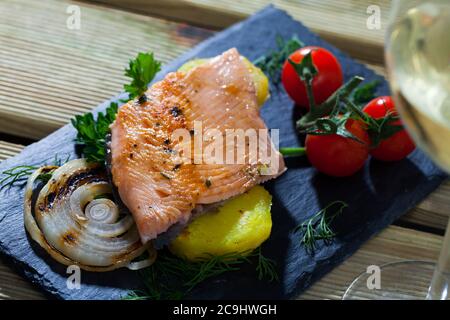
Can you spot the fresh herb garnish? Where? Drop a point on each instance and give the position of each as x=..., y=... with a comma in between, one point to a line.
x=21, y=173
x=318, y=227
x=365, y=92
x=171, y=277
x=266, y=268
x=16, y=174
x=141, y=70
x=92, y=132
x=272, y=63
x=45, y=177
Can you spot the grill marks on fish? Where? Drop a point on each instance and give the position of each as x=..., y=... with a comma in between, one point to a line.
x=153, y=185
x=157, y=195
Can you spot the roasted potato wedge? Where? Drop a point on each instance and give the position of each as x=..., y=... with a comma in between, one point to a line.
x=240, y=225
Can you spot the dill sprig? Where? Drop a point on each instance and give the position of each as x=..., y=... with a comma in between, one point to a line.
x=272, y=63
x=15, y=175
x=171, y=277
x=318, y=227
x=266, y=268
x=19, y=174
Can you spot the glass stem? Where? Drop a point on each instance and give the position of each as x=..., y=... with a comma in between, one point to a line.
x=440, y=284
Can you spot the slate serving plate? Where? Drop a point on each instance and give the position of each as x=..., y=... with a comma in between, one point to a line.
x=377, y=196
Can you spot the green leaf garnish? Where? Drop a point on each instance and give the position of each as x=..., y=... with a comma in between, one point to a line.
x=92, y=132
x=266, y=268
x=365, y=92
x=318, y=227
x=16, y=174
x=141, y=70
x=272, y=63
x=171, y=277
x=19, y=174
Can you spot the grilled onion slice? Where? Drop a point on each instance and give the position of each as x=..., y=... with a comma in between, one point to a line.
x=76, y=222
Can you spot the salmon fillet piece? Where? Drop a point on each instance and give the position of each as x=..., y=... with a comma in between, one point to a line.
x=162, y=179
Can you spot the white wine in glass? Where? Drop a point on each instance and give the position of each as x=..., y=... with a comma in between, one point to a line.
x=418, y=61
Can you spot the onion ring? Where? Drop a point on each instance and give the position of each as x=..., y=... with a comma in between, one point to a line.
x=76, y=222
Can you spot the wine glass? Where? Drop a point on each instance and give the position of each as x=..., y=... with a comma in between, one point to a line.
x=417, y=53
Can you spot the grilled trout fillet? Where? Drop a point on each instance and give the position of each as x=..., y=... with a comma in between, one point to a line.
x=158, y=179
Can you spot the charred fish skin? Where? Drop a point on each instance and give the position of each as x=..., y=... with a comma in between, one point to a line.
x=221, y=95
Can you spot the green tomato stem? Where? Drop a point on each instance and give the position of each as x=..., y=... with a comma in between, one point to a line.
x=293, y=151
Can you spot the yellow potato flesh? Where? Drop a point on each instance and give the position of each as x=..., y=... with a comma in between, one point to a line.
x=259, y=78
x=240, y=225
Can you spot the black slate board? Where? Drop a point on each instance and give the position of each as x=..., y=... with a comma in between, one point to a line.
x=377, y=196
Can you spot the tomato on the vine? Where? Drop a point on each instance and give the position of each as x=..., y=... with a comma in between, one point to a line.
x=398, y=145
x=336, y=155
x=328, y=79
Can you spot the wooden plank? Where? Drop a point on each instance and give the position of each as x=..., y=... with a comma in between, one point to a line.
x=433, y=211
x=14, y=286
x=8, y=149
x=343, y=23
x=66, y=72
x=392, y=244
x=53, y=73
x=50, y=88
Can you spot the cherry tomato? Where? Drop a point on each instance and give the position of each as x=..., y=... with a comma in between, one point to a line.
x=336, y=155
x=328, y=79
x=397, y=146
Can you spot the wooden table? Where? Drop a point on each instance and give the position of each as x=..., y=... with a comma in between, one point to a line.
x=49, y=73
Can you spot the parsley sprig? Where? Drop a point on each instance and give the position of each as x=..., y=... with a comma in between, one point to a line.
x=318, y=227
x=171, y=277
x=91, y=131
x=141, y=70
